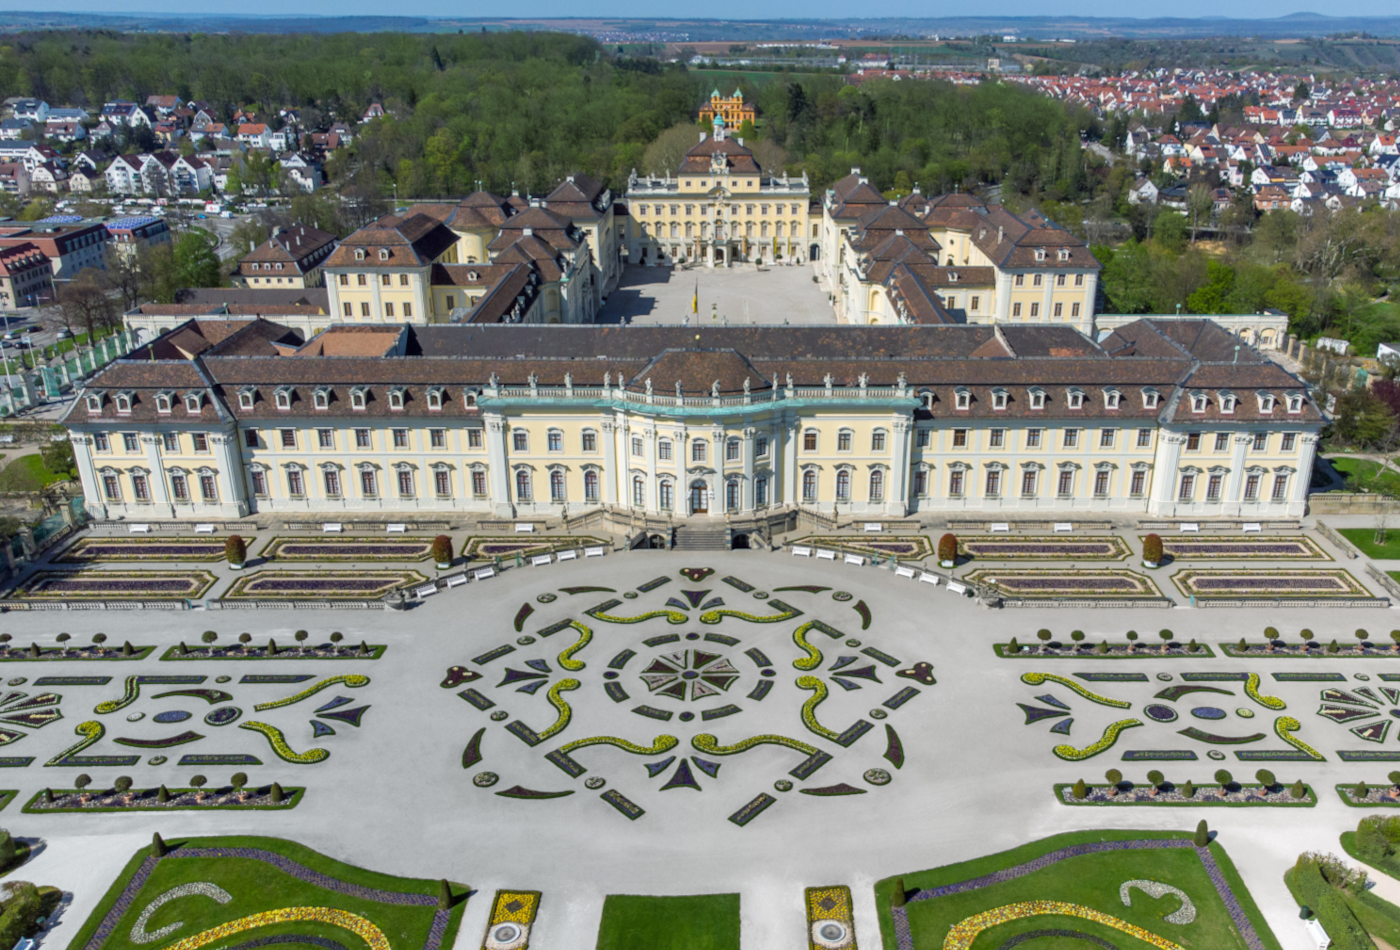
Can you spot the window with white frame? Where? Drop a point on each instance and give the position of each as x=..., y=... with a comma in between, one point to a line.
x=1290, y=440
x=1280, y=490
x=1107, y=438
x=920, y=483
x=962, y=399
x=140, y=487
x=1033, y=438
x=663, y=450
x=1295, y=402
x=170, y=441
x=124, y=403
x=1037, y=399
x=993, y=484
x=1138, y=483
x=442, y=482
x=369, y=485
x=1030, y=478
x=590, y=440
x=179, y=487
x=1074, y=399
x=809, y=440
x=396, y=399
x=996, y=438
x=405, y=479
x=362, y=438
x=100, y=442
x=1215, y=486
x=163, y=403
x=1101, y=479
x=1222, y=441
x=296, y=486
x=130, y=442
x=289, y=438
x=877, y=485
x=1144, y=438
x=639, y=491
x=1199, y=401
x=520, y=440
x=556, y=486
x=1266, y=402
x=956, y=479
x=400, y=438
x=843, y=485
x=357, y=399
x=554, y=440
x=246, y=398
x=1071, y=439
x=283, y=398
x=637, y=448
x=999, y=399
x=1150, y=398
x=1187, y=488
x=760, y=446
x=208, y=488
x=94, y=402
x=923, y=438
x=699, y=450
x=1065, y=488
x=475, y=439
x=435, y=400
x=731, y=495
x=760, y=491
x=112, y=487
x=437, y=438
x=331, y=479
x=1252, y=481
x=522, y=485
x=1111, y=398
x=478, y=483
x=809, y=486
x=1227, y=403
x=321, y=399
x=590, y=486
x=1261, y=442
x=843, y=440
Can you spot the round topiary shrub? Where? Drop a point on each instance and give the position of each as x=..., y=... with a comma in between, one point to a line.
x=1152, y=550
x=1156, y=778
x=1266, y=778
x=235, y=550
x=442, y=550
x=1271, y=633
x=948, y=550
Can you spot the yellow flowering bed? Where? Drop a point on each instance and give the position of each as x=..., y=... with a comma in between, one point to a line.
x=325, y=915
x=963, y=933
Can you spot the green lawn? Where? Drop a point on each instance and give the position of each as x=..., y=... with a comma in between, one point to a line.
x=703, y=922
x=1365, y=541
x=28, y=473
x=1362, y=473
x=257, y=886
x=1090, y=880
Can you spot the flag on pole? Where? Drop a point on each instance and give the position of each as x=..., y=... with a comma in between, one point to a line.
x=695, y=300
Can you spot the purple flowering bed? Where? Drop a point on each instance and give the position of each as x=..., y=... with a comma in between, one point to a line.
x=486, y=548
x=93, y=550
x=321, y=585
x=114, y=585
x=348, y=549
x=905, y=547
x=1252, y=794
x=1044, y=547
x=146, y=800
x=1022, y=582
x=1244, y=548
x=1284, y=582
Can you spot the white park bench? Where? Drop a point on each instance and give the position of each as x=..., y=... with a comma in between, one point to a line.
x=825, y=555
x=484, y=573
x=524, y=529
x=456, y=580
x=1190, y=527
x=1253, y=527
x=396, y=528
x=800, y=551
x=592, y=552
x=139, y=528
x=1000, y=527
x=541, y=559
x=905, y=572
x=204, y=529
x=1063, y=527
x=568, y=555
x=427, y=590
x=333, y=527
x=956, y=588
x=874, y=526
x=855, y=559
x=927, y=578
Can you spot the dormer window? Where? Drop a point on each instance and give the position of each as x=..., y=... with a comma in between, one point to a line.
x=1064, y=254
x=999, y=397
x=962, y=399
x=435, y=400
x=1037, y=398
x=357, y=398
x=359, y=253
x=396, y=399
x=124, y=402
x=383, y=253
x=1040, y=253
x=1198, y=402
x=246, y=398
x=473, y=276
x=1151, y=398
x=1111, y=398
x=163, y=403
x=94, y=402
x=952, y=277
x=1075, y=399
x=321, y=399
x=283, y=398
x=194, y=402
x=1295, y=402
x=1267, y=401
x=1227, y=402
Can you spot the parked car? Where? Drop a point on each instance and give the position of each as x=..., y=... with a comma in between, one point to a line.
x=64, y=334
x=11, y=336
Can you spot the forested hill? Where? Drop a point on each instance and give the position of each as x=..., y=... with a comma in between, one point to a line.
x=526, y=108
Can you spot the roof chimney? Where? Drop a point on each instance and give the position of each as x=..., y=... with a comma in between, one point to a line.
x=1000, y=229
x=527, y=232
x=702, y=136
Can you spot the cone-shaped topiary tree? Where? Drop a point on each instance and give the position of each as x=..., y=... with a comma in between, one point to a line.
x=276, y=794
x=442, y=549
x=163, y=795
x=444, y=895
x=1202, y=834
x=948, y=550
x=1081, y=790
x=158, y=848
x=899, y=896
x=1299, y=790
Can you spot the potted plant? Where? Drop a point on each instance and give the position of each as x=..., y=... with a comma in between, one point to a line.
x=236, y=551
x=442, y=552
x=1152, y=551
x=948, y=551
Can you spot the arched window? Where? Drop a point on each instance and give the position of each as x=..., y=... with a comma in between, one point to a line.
x=590, y=486
x=556, y=486
x=522, y=485
x=809, y=486
x=639, y=491
x=843, y=485
x=877, y=485
x=731, y=494
x=667, y=496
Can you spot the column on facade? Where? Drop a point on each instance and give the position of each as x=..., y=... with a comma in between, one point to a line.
x=746, y=489
x=158, y=480
x=498, y=472
x=609, y=475
x=897, y=492
x=1302, y=479
x=1234, y=485
x=682, y=485
x=653, y=483
x=1164, y=471
x=87, y=474
x=717, y=480
x=228, y=456
x=618, y=474
x=1003, y=303
x=789, y=474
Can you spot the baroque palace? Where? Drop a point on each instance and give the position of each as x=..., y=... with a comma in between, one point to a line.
x=224, y=417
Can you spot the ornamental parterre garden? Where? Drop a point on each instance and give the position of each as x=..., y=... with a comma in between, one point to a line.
x=1289, y=583
x=1043, y=548
x=348, y=549
x=320, y=585
x=85, y=584
x=1193, y=548
x=509, y=548
x=1040, y=583
x=88, y=550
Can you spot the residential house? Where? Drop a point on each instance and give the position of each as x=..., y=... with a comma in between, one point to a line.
x=64, y=130
x=69, y=247
x=129, y=114
x=14, y=178
x=375, y=111
x=29, y=154
x=25, y=276
x=49, y=177
x=291, y=257
x=163, y=105
x=254, y=135
x=14, y=130
x=83, y=180
x=131, y=234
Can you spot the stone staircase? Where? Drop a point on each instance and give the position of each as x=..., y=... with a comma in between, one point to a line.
x=702, y=538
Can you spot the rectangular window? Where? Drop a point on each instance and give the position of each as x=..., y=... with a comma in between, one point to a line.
x=1059, y=310
x=521, y=440
x=479, y=484
x=1138, y=483
x=171, y=442
x=201, y=442
x=1033, y=438
x=140, y=488
x=208, y=490
x=451, y=302
x=1144, y=438
x=698, y=451
x=1106, y=437
x=1280, y=488
x=1035, y=307
x=1188, y=488
x=1193, y=441
x=554, y=441
x=388, y=310
x=295, y=487
x=1251, y=488
x=1101, y=483
x=809, y=441
x=442, y=483
x=590, y=441
x=362, y=439
x=1071, y=438
x=921, y=483
x=1066, y=486
x=1214, y=485
x=760, y=446
x=1036, y=281
x=1078, y=282
x=1222, y=441
x=1059, y=282
x=959, y=438
x=408, y=310
x=403, y=280
x=1020, y=280
x=250, y=438
x=760, y=491
x=385, y=280
x=130, y=442
x=112, y=487
x=636, y=446
x=400, y=438
x=955, y=483
x=347, y=307
x=993, y=482
x=1261, y=441
x=1290, y=440
x=1074, y=310
x=1028, y=482
x=367, y=484
x=843, y=442
x=289, y=438
x=325, y=438
x=975, y=305
x=405, y=483
x=732, y=451
x=100, y=443
x=474, y=438
x=1015, y=309
x=364, y=308
x=923, y=438
x=179, y=488
x=332, y=483
x=996, y=438
x=663, y=450
x=437, y=438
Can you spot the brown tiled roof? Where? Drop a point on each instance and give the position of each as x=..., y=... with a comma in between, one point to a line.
x=414, y=241
x=352, y=341
x=577, y=196
x=697, y=370
x=739, y=160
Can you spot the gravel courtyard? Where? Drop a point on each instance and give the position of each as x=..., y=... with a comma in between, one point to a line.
x=738, y=295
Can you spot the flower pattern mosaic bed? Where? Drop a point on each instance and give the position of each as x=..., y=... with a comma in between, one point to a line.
x=912, y=547
x=90, y=550
x=1294, y=583
x=114, y=585
x=1190, y=548
x=348, y=549
x=321, y=585
x=1044, y=547
x=1025, y=582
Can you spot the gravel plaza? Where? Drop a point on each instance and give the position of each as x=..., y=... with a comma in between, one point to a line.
x=419, y=775
x=737, y=295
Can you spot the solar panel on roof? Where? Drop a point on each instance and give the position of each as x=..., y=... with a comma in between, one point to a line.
x=123, y=223
x=60, y=219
